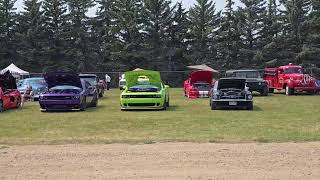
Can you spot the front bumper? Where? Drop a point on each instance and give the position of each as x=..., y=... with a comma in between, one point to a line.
x=143, y=103
x=233, y=103
x=305, y=88
x=199, y=94
x=60, y=104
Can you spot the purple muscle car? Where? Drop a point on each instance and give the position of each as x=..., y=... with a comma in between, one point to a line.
x=67, y=92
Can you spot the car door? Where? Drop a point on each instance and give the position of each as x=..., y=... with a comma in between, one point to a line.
x=90, y=92
x=280, y=78
x=6, y=99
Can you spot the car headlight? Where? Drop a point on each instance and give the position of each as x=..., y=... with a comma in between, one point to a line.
x=157, y=96
x=125, y=96
x=76, y=97
x=43, y=97
x=249, y=97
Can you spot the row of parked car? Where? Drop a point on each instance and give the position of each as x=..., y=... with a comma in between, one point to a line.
x=236, y=89
x=145, y=89
x=54, y=91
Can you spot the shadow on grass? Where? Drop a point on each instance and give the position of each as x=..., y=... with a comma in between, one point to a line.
x=89, y=109
x=255, y=108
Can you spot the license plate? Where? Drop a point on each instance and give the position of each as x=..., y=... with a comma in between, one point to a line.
x=233, y=103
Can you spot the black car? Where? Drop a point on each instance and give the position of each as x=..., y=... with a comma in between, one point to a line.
x=94, y=81
x=254, y=80
x=231, y=93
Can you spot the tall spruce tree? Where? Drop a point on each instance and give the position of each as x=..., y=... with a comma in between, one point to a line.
x=31, y=36
x=311, y=49
x=7, y=30
x=204, y=23
x=55, y=23
x=82, y=48
x=252, y=17
x=157, y=19
x=229, y=42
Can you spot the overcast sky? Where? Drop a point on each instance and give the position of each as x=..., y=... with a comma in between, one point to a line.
x=187, y=3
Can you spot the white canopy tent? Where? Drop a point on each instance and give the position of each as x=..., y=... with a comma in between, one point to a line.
x=15, y=71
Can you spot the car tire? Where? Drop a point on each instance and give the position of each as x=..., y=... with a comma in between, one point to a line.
x=164, y=106
x=18, y=105
x=271, y=90
x=94, y=103
x=250, y=106
x=1, y=106
x=264, y=92
x=83, y=105
x=213, y=106
x=289, y=91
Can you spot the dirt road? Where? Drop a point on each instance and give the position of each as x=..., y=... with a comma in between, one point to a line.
x=162, y=161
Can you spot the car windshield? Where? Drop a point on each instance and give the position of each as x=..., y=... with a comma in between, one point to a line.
x=248, y=74
x=122, y=83
x=34, y=82
x=231, y=84
x=91, y=80
x=144, y=88
x=294, y=71
x=65, y=90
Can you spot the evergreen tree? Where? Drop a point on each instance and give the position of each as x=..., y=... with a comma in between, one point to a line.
x=82, y=49
x=55, y=23
x=204, y=22
x=229, y=42
x=252, y=17
x=157, y=19
x=311, y=49
x=7, y=30
x=31, y=36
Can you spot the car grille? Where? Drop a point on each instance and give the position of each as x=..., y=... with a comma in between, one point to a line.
x=232, y=95
x=141, y=96
x=143, y=104
x=59, y=98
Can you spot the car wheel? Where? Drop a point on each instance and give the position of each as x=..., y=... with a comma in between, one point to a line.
x=213, y=106
x=1, y=106
x=18, y=102
x=289, y=91
x=164, y=106
x=94, y=103
x=264, y=92
x=83, y=105
x=250, y=106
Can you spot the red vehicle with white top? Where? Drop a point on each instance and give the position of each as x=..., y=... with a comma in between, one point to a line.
x=290, y=78
x=9, y=95
x=199, y=84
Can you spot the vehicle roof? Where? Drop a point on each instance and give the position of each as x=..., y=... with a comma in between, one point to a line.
x=231, y=78
x=291, y=66
x=87, y=75
x=243, y=70
x=33, y=78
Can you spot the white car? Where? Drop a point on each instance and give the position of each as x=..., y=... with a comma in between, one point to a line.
x=122, y=82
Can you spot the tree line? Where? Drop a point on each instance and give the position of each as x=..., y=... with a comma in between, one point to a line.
x=158, y=34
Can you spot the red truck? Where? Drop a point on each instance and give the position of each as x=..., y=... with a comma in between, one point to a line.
x=9, y=95
x=290, y=78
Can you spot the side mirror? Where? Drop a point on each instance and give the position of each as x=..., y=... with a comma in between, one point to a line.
x=166, y=86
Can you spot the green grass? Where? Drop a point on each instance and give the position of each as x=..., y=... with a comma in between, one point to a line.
x=276, y=118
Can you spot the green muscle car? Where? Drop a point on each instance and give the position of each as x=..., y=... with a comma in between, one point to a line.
x=144, y=90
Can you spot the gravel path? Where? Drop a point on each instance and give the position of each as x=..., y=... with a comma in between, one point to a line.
x=162, y=161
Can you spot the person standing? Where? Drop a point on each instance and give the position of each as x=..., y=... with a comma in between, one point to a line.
x=108, y=81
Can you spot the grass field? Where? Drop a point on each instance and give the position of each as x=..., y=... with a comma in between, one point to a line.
x=276, y=118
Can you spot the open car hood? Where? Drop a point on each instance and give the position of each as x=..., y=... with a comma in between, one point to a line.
x=201, y=76
x=62, y=79
x=232, y=83
x=133, y=76
x=7, y=81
